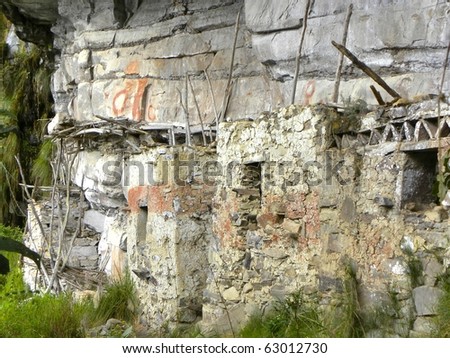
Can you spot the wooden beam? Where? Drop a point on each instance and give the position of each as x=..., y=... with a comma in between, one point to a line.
x=366, y=69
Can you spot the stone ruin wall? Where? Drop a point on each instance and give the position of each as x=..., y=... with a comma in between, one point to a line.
x=203, y=249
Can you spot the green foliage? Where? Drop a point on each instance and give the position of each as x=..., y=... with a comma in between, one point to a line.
x=342, y=317
x=59, y=316
x=191, y=331
x=442, y=319
x=346, y=321
x=44, y=316
x=119, y=301
x=415, y=269
x=442, y=183
x=41, y=172
x=291, y=318
x=25, y=99
x=12, y=283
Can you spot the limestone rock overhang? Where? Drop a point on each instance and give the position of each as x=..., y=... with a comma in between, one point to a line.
x=32, y=18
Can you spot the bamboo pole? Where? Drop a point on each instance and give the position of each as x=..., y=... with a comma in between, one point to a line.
x=341, y=56
x=297, y=61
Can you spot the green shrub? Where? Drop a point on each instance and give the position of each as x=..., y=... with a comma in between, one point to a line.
x=442, y=319
x=294, y=317
x=44, y=316
x=119, y=301
x=12, y=283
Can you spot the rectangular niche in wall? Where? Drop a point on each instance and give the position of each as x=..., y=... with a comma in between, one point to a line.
x=419, y=176
x=249, y=198
x=251, y=175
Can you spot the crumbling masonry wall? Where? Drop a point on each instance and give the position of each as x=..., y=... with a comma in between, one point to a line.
x=285, y=213
x=318, y=210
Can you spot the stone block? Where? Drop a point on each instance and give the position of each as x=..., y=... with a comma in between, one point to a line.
x=424, y=325
x=438, y=214
x=278, y=292
x=231, y=294
x=276, y=253
x=334, y=243
x=186, y=315
x=202, y=5
x=222, y=16
x=221, y=324
x=84, y=251
x=433, y=269
x=327, y=283
x=383, y=201
x=149, y=13
x=266, y=15
x=348, y=210
x=82, y=105
x=95, y=220
x=426, y=300
x=247, y=288
x=291, y=226
x=434, y=240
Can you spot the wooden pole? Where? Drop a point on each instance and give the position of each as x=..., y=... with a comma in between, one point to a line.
x=341, y=57
x=230, y=73
x=188, y=125
x=366, y=69
x=377, y=95
x=198, y=111
x=211, y=92
x=441, y=87
x=299, y=53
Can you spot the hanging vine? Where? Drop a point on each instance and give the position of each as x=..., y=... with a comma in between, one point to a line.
x=25, y=106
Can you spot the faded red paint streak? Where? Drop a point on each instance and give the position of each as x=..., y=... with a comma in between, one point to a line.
x=310, y=89
x=132, y=68
x=136, y=196
x=312, y=216
x=158, y=200
x=223, y=227
x=130, y=97
x=121, y=99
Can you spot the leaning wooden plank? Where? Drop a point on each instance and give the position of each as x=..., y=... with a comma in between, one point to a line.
x=337, y=82
x=299, y=53
x=366, y=69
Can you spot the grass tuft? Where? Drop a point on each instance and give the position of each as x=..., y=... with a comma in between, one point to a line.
x=119, y=301
x=294, y=317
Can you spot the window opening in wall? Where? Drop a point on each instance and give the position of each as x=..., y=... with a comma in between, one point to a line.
x=419, y=177
x=141, y=227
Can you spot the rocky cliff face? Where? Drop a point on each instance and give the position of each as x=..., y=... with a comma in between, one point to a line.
x=146, y=48
x=137, y=82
